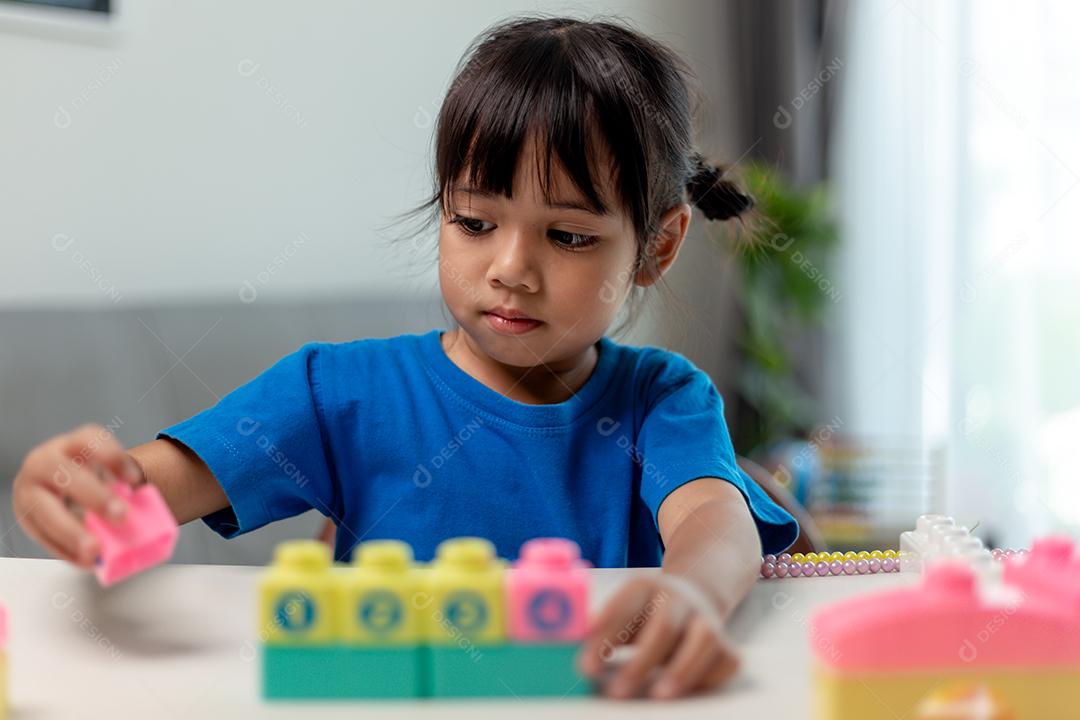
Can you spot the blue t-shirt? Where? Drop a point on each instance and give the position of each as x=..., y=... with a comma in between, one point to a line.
x=391, y=439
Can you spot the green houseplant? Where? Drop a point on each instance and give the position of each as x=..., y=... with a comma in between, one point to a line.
x=783, y=258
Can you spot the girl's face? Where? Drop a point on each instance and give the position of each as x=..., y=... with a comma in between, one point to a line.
x=563, y=266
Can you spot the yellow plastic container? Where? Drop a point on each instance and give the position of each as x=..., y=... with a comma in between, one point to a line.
x=297, y=596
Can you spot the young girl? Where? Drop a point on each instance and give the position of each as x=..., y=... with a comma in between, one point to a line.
x=564, y=161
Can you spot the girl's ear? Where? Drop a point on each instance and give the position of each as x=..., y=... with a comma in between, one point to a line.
x=664, y=247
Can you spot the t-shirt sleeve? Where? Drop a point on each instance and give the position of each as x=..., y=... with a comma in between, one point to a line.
x=264, y=443
x=684, y=437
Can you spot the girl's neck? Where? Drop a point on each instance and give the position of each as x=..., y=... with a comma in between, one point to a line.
x=543, y=384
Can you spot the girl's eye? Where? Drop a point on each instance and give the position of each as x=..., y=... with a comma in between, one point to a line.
x=563, y=239
x=572, y=241
x=471, y=226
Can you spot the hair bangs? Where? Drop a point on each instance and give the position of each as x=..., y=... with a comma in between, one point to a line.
x=536, y=95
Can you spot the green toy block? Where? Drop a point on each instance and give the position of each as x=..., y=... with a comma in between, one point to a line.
x=511, y=670
x=334, y=672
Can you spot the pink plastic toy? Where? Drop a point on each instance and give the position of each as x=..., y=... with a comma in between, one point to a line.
x=927, y=625
x=1048, y=570
x=145, y=537
x=950, y=639
x=547, y=592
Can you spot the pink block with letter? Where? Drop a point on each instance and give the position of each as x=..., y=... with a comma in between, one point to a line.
x=547, y=592
x=145, y=537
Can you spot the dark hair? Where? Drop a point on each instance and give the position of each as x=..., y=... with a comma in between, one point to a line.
x=587, y=89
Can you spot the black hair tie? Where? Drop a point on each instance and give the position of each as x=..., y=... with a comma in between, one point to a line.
x=718, y=198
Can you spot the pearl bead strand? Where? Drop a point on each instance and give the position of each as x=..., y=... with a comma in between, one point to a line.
x=864, y=562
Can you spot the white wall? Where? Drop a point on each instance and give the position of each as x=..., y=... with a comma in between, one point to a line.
x=203, y=143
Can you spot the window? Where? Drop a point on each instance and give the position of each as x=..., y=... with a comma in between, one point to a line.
x=956, y=165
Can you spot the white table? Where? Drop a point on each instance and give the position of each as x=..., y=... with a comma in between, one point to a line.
x=179, y=642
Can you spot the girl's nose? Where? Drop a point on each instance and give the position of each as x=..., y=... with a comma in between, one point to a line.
x=513, y=265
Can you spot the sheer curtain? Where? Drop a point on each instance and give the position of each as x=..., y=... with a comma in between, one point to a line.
x=956, y=164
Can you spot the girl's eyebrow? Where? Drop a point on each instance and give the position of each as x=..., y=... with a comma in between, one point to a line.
x=556, y=204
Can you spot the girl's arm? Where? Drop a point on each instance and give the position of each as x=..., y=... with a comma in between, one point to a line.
x=710, y=539
x=186, y=483
x=675, y=619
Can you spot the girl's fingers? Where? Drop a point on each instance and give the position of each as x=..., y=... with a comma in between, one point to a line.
x=96, y=445
x=58, y=551
x=691, y=662
x=653, y=646
x=53, y=525
x=613, y=626
x=722, y=670
x=74, y=480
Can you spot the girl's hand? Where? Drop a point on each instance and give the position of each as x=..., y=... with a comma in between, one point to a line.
x=65, y=476
x=674, y=629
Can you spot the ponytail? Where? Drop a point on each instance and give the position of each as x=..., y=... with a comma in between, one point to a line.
x=717, y=197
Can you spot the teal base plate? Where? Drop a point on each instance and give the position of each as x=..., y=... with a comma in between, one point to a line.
x=337, y=672
x=506, y=671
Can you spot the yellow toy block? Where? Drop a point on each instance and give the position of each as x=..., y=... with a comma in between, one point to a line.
x=959, y=694
x=378, y=596
x=297, y=596
x=463, y=597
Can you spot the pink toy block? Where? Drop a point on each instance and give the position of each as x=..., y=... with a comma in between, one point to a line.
x=943, y=621
x=1049, y=570
x=547, y=592
x=145, y=537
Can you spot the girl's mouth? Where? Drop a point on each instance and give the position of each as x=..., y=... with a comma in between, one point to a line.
x=511, y=326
